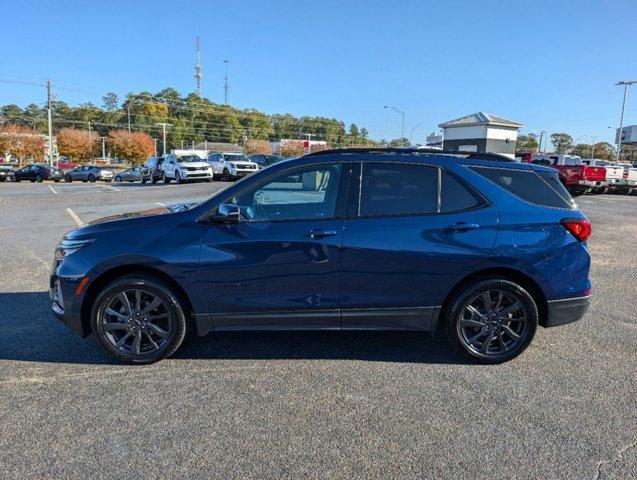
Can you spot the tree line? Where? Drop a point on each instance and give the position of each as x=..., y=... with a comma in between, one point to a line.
x=563, y=143
x=192, y=119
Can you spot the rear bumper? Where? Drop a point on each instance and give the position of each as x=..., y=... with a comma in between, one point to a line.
x=567, y=310
x=593, y=183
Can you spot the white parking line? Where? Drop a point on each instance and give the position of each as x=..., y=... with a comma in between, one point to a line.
x=75, y=217
x=160, y=204
x=52, y=189
x=107, y=186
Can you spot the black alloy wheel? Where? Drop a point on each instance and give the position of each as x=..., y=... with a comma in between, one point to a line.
x=38, y=178
x=138, y=319
x=492, y=321
x=225, y=176
x=91, y=178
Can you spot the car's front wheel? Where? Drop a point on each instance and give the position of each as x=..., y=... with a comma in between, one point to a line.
x=91, y=178
x=139, y=319
x=492, y=321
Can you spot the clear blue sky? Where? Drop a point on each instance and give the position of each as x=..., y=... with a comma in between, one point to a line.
x=548, y=64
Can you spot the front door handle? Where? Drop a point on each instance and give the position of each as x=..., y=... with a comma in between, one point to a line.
x=319, y=233
x=460, y=227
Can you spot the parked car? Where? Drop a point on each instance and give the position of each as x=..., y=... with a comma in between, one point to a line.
x=614, y=174
x=89, y=173
x=231, y=166
x=185, y=168
x=630, y=178
x=576, y=177
x=6, y=172
x=134, y=174
x=265, y=160
x=65, y=164
x=153, y=165
x=37, y=173
x=478, y=247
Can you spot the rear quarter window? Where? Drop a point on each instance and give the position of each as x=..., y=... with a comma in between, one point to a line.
x=527, y=185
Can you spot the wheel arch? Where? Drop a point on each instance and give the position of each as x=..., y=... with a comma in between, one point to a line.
x=522, y=279
x=116, y=272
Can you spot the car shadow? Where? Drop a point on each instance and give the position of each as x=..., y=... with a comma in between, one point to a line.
x=30, y=333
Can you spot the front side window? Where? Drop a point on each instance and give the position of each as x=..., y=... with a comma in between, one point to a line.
x=303, y=194
x=398, y=189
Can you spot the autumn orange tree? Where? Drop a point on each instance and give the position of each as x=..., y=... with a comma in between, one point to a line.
x=257, y=146
x=21, y=142
x=292, y=148
x=77, y=144
x=133, y=146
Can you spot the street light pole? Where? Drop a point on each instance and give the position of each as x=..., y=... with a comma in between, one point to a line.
x=411, y=134
x=164, y=125
x=541, y=137
x=621, y=118
x=402, y=129
x=593, y=148
x=103, y=148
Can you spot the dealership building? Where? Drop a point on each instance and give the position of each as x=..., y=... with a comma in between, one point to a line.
x=481, y=132
x=629, y=137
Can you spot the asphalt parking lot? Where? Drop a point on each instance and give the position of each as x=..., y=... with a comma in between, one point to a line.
x=307, y=405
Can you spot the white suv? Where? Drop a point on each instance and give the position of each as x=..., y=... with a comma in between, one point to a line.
x=183, y=168
x=230, y=166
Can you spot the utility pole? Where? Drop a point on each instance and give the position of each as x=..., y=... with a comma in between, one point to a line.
x=103, y=147
x=155, y=146
x=411, y=134
x=164, y=125
x=49, y=115
x=402, y=129
x=621, y=119
x=226, y=86
x=593, y=149
x=128, y=108
x=541, y=137
x=198, y=71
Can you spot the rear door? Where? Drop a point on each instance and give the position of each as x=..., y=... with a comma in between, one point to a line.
x=414, y=231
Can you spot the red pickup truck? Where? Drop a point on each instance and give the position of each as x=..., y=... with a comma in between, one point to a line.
x=576, y=177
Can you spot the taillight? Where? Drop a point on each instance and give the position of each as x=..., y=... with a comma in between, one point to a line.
x=580, y=228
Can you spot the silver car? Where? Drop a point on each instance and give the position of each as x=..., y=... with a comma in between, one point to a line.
x=89, y=173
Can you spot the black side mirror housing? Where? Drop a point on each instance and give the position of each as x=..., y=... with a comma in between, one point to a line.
x=227, y=213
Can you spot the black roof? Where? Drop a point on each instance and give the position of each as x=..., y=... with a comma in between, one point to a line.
x=416, y=151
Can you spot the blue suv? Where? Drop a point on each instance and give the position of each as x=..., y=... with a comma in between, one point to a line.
x=475, y=246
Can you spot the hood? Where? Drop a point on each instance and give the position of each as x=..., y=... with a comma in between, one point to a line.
x=153, y=212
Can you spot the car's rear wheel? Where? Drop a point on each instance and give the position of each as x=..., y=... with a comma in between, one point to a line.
x=139, y=319
x=91, y=178
x=38, y=178
x=492, y=321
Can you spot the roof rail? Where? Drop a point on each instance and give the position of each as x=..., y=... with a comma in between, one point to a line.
x=423, y=151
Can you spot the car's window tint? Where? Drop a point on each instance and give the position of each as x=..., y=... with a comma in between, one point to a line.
x=553, y=180
x=307, y=193
x=524, y=184
x=454, y=196
x=398, y=189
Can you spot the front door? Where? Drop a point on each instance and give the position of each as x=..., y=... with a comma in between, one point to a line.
x=407, y=244
x=279, y=267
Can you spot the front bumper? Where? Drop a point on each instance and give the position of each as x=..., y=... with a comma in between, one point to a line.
x=241, y=173
x=567, y=310
x=64, y=305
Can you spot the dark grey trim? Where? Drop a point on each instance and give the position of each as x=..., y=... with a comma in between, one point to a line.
x=566, y=310
x=203, y=324
x=289, y=320
x=408, y=318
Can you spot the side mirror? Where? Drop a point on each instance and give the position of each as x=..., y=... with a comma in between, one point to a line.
x=226, y=213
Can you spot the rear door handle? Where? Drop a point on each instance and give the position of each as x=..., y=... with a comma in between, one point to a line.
x=319, y=233
x=460, y=227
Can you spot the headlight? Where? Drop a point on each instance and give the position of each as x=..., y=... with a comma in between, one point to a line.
x=67, y=247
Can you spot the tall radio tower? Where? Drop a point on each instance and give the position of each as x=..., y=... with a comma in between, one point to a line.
x=198, y=71
x=226, y=85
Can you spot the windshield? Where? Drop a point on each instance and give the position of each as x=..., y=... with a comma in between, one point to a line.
x=236, y=158
x=188, y=158
x=271, y=159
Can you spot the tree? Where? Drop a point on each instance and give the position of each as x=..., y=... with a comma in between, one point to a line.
x=12, y=113
x=603, y=150
x=527, y=143
x=21, y=142
x=292, y=148
x=582, y=150
x=257, y=146
x=76, y=144
x=562, y=142
x=133, y=146
x=111, y=101
x=397, y=142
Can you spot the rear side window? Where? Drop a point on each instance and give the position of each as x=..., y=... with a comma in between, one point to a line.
x=524, y=184
x=454, y=196
x=398, y=189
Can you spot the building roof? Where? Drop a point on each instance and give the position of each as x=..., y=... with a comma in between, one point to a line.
x=480, y=118
x=219, y=147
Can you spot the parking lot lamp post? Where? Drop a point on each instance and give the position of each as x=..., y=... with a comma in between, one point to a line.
x=621, y=118
x=164, y=125
x=542, y=133
x=155, y=146
x=103, y=147
x=593, y=148
x=402, y=129
x=411, y=134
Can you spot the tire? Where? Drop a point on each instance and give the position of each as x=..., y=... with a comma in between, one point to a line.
x=172, y=326
x=2, y=179
x=209, y=180
x=164, y=177
x=178, y=178
x=91, y=178
x=144, y=180
x=67, y=178
x=505, y=339
x=56, y=181
x=38, y=178
x=225, y=176
x=118, y=179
